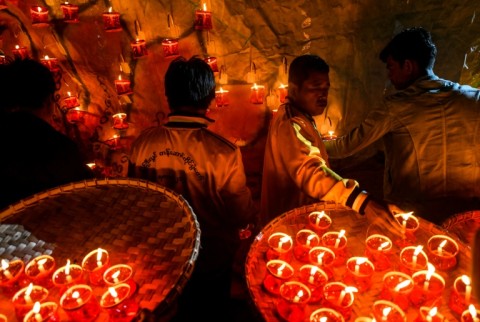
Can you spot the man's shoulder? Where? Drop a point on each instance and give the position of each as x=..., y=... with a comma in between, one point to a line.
x=220, y=140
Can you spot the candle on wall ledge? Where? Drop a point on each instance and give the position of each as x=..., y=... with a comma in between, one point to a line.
x=295, y=295
x=111, y=21
x=379, y=251
x=203, y=19
x=95, y=263
x=75, y=115
x=442, y=252
x=19, y=52
x=51, y=63
x=330, y=136
x=280, y=246
x=70, y=12
x=120, y=121
x=24, y=299
x=461, y=294
x=470, y=315
x=114, y=142
x=40, y=270
x=71, y=101
x=80, y=304
x=388, y=311
x=39, y=16
x=397, y=287
x=326, y=315
x=12, y=276
x=122, y=86
x=319, y=221
x=118, y=274
x=282, y=92
x=44, y=312
x=170, y=47
x=120, y=305
x=257, y=94
x=212, y=62
x=221, y=98
x=139, y=48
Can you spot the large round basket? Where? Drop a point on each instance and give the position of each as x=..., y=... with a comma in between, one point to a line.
x=357, y=228
x=139, y=223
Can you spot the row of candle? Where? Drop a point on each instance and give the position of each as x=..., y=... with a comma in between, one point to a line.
x=323, y=250
x=69, y=279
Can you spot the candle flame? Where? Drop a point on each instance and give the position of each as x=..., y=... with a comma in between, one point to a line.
x=29, y=289
x=310, y=237
x=351, y=289
x=324, y=319
x=117, y=273
x=465, y=280
x=46, y=57
x=442, y=244
x=361, y=260
x=36, y=307
x=69, y=94
x=66, y=2
x=331, y=133
x=115, y=136
x=418, y=249
x=386, y=311
x=383, y=245
x=119, y=77
x=110, y=9
x=76, y=294
x=341, y=233
x=300, y=293
x=67, y=268
x=42, y=261
x=255, y=86
x=430, y=271
x=99, y=254
x=313, y=270
x=281, y=267
x=320, y=257
x=403, y=284
x=112, y=291
x=17, y=47
x=407, y=215
x=285, y=86
x=204, y=6
x=285, y=239
x=39, y=9
x=433, y=311
x=472, y=310
x=5, y=264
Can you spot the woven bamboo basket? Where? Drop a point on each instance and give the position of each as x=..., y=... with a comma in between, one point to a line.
x=139, y=223
x=357, y=228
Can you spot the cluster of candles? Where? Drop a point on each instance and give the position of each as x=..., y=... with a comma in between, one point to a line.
x=34, y=285
x=300, y=271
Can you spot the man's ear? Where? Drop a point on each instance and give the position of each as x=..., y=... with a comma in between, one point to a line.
x=410, y=66
x=292, y=90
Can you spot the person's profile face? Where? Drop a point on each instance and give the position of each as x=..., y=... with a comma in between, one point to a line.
x=312, y=95
x=398, y=74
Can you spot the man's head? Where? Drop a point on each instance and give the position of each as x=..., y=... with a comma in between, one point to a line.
x=308, y=84
x=189, y=86
x=25, y=84
x=409, y=55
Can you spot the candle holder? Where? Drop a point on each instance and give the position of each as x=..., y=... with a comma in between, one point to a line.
x=118, y=274
x=326, y=315
x=442, y=252
x=397, y=287
x=114, y=142
x=221, y=98
x=120, y=121
x=257, y=94
x=428, y=314
x=203, y=19
x=96, y=263
x=170, y=47
x=379, y=251
x=359, y=273
x=364, y=319
x=212, y=62
x=280, y=246
x=139, y=48
x=305, y=240
x=461, y=294
x=39, y=16
x=122, y=86
x=40, y=270
x=45, y=312
x=3, y=59
x=111, y=21
x=410, y=225
x=282, y=92
x=118, y=302
x=80, y=304
x=70, y=12
x=12, y=277
x=66, y=276
x=315, y=278
x=50, y=63
x=337, y=242
x=19, y=52
x=322, y=257
x=3, y=5
x=24, y=299
x=428, y=287
x=413, y=259
x=295, y=295
x=330, y=136
x=71, y=101
x=388, y=311
x=75, y=115
x=470, y=315
x=319, y=221
x=339, y=297
x=3, y=318
x=278, y=272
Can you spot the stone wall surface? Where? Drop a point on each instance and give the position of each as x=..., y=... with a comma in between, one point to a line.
x=253, y=40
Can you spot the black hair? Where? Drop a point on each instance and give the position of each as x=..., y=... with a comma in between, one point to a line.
x=25, y=83
x=413, y=44
x=189, y=83
x=302, y=66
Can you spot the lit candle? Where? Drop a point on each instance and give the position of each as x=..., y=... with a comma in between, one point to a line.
x=139, y=48
x=71, y=101
x=282, y=91
x=50, y=63
x=326, y=315
x=5, y=270
x=431, y=314
x=75, y=115
x=319, y=221
x=39, y=16
x=203, y=19
x=320, y=258
x=221, y=98
x=111, y=21
x=331, y=136
x=40, y=270
x=27, y=297
x=119, y=121
x=122, y=86
x=344, y=292
x=212, y=62
x=170, y=47
x=339, y=238
x=468, y=288
x=36, y=310
x=280, y=242
x=118, y=303
x=280, y=268
x=385, y=312
x=79, y=303
x=402, y=285
x=415, y=254
x=96, y=262
x=67, y=275
x=470, y=315
x=397, y=287
x=430, y=271
x=19, y=52
x=311, y=278
x=442, y=251
x=24, y=299
x=70, y=12
x=257, y=94
x=42, y=312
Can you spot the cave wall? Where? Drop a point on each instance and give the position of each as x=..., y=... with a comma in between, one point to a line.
x=253, y=40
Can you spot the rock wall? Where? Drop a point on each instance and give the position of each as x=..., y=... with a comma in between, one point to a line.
x=253, y=41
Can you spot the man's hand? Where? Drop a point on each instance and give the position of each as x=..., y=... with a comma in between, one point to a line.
x=381, y=214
